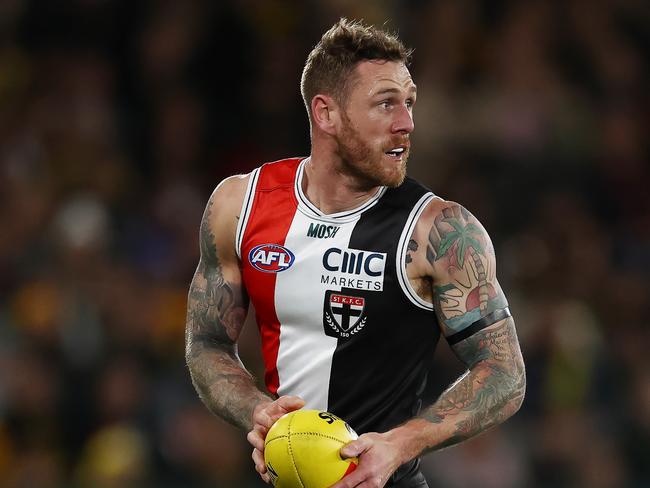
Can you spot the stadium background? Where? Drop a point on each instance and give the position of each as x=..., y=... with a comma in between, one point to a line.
x=118, y=118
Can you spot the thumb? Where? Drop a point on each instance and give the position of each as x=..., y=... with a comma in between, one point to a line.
x=353, y=449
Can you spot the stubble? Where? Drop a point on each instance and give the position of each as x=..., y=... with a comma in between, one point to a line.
x=366, y=165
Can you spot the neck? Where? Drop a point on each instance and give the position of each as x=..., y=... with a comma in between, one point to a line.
x=329, y=188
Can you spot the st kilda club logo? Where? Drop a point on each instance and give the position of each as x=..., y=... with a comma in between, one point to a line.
x=271, y=258
x=343, y=314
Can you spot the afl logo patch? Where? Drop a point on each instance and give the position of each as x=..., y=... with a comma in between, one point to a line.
x=271, y=258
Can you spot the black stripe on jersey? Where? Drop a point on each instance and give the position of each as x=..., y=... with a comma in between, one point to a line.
x=377, y=373
x=482, y=323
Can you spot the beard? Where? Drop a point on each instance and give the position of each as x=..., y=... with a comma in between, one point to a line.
x=365, y=163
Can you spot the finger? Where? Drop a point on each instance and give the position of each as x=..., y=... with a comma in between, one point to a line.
x=258, y=459
x=267, y=416
x=256, y=439
x=349, y=482
x=260, y=466
x=289, y=403
x=352, y=480
x=264, y=419
x=372, y=483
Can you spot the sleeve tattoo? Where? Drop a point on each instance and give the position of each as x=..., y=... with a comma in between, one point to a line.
x=490, y=391
x=473, y=314
x=215, y=316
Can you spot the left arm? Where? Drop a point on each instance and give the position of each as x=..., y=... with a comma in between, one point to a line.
x=453, y=256
x=474, y=317
x=490, y=391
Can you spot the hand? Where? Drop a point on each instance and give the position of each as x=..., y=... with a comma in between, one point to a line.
x=379, y=457
x=264, y=415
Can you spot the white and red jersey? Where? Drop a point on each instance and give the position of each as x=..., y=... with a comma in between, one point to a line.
x=340, y=323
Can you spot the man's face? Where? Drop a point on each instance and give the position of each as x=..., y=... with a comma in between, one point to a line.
x=376, y=123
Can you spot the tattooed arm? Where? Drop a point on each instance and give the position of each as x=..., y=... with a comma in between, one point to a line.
x=217, y=306
x=450, y=262
x=474, y=317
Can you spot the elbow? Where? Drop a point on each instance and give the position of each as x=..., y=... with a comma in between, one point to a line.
x=194, y=346
x=518, y=390
x=191, y=365
x=518, y=401
x=190, y=362
x=513, y=390
x=192, y=355
x=197, y=374
x=194, y=365
x=189, y=353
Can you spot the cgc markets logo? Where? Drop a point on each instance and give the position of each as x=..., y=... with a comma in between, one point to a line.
x=353, y=268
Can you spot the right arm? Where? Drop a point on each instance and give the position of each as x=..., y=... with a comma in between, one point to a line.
x=216, y=310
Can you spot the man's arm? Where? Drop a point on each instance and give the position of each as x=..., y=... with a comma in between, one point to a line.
x=216, y=310
x=474, y=316
x=490, y=391
x=451, y=262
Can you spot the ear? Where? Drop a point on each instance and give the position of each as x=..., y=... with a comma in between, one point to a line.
x=325, y=113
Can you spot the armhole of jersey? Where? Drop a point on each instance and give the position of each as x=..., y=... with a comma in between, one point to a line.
x=402, y=246
x=245, y=213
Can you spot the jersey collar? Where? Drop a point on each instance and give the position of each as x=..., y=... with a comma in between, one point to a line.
x=312, y=210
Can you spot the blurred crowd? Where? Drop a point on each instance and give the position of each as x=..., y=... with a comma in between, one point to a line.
x=118, y=118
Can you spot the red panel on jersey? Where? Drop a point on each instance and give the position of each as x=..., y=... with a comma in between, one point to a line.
x=272, y=212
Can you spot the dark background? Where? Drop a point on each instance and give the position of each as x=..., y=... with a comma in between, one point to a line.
x=118, y=118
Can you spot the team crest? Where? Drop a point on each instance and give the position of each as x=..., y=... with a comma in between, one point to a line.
x=343, y=314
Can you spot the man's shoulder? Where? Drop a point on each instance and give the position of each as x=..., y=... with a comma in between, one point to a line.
x=286, y=162
x=234, y=187
x=438, y=208
x=230, y=190
x=440, y=225
x=277, y=174
x=224, y=205
x=443, y=217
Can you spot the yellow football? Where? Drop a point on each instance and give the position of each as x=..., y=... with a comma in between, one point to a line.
x=301, y=450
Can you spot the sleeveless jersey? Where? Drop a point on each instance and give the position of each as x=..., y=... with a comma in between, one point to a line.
x=340, y=323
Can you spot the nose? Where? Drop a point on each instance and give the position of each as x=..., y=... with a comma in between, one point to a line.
x=403, y=121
